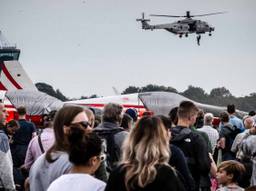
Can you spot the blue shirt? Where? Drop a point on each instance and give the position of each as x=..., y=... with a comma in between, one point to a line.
x=24, y=134
x=235, y=121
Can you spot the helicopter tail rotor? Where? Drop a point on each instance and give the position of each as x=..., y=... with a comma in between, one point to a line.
x=142, y=19
x=144, y=22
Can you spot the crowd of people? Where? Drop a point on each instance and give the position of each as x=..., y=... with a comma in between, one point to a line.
x=76, y=150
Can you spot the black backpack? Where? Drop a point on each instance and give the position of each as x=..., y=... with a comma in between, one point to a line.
x=110, y=148
x=230, y=133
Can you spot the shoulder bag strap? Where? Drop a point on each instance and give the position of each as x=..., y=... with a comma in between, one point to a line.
x=40, y=143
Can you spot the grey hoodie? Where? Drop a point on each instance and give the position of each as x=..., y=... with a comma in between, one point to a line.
x=6, y=170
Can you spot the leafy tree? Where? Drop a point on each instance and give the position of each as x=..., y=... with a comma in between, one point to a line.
x=83, y=97
x=220, y=92
x=149, y=88
x=195, y=93
x=131, y=89
x=93, y=96
x=153, y=88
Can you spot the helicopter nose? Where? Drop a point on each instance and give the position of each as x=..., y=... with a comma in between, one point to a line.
x=211, y=28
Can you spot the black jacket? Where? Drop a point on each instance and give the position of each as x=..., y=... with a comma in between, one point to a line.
x=166, y=180
x=195, y=150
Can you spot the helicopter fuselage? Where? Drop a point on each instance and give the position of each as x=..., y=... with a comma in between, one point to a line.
x=185, y=26
x=182, y=27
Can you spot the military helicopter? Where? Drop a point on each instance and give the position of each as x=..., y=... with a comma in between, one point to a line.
x=181, y=27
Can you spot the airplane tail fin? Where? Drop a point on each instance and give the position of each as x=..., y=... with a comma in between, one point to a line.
x=144, y=22
x=14, y=77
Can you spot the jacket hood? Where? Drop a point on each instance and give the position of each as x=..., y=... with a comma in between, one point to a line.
x=179, y=133
x=107, y=126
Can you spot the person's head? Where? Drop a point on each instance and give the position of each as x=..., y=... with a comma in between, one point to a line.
x=132, y=113
x=199, y=119
x=91, y=117
x=48, y=118
x=21, y=111
x=84, y=149
x=12, y=126
x=65, y=117
x=187, y=112
x=252, y=113
x=249, y=122
x=230, y=171
x=112, y=113
x=97, y=121
x=231, y=109
x=2, y=114
x=147, y=114
x=208, y=118
x=224, y=117
x=173, y=114
x=146, y=146
x=216, y=122
x=126, y=122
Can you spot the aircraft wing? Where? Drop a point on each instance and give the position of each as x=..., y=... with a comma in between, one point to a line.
x=36, y=102
x=162, y=102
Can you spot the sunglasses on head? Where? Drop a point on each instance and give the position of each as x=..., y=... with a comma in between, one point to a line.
x=85, y=124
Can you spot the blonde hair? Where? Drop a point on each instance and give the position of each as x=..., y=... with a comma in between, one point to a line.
x=146, y=146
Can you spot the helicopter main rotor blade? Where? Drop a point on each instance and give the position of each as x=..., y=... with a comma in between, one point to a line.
x=166, y=16
x=208, y=14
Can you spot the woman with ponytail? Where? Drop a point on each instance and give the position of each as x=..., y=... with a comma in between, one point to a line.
x=85, y=155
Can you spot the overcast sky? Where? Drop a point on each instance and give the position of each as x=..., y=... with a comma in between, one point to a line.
x=84, y=47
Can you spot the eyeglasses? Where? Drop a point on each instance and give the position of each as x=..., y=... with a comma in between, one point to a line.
x=85, y=124
x=102, y=157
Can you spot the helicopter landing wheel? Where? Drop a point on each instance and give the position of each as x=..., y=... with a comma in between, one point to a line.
x=186, y=35
x=210, y=34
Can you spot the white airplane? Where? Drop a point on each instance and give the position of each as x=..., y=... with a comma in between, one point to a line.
x=21, y=91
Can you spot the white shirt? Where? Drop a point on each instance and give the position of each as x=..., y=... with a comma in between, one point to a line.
x=77, y=182
x=212, y=134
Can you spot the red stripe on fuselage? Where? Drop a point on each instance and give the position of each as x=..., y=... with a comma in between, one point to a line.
x=9, y=76
x=9, y=106
x=2, y=87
